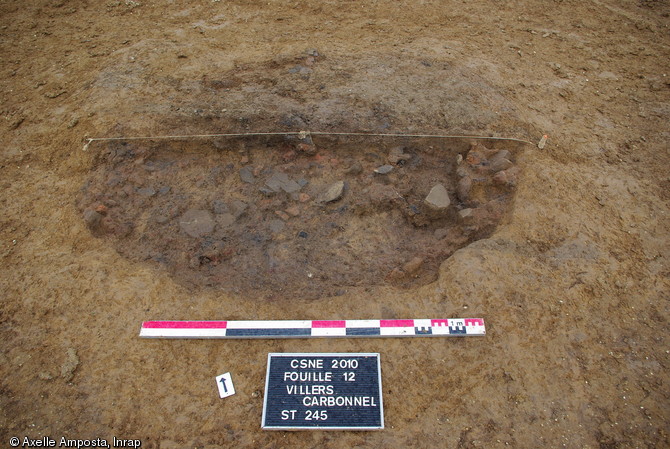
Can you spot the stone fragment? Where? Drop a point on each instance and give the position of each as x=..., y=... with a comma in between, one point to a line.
x=225, y=220
x=237, y=208
x=475, y=157
x=293, y=211
x=281, y=181
x=219, y=207
x=333, y=192
x=289, y=155
x=267, y=191
x=463, y=188
x=300, y=70
x=276, y=226
x=395, y=274
x=500, y=164
x=196, y=222
x=438, y=198
x=440, y=233
x=380, y=194
x=384, y=169
x=465, y=213
x=247, y=175
x=502, y=154
x=397, y=155
x=303, y=197
x=306, y=148
x=354, y=169
x=281, y=214
x=92, y=219
x=462, y=171
x=146, y=191
x=507, y=177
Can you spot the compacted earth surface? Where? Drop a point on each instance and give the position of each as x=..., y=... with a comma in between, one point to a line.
x=562, y=250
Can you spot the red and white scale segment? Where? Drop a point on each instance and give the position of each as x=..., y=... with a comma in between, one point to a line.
x=435, y=327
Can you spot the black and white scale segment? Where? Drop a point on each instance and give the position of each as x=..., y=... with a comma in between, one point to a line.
x=323, y=391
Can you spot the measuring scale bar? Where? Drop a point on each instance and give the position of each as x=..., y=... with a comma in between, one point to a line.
x=436, y=327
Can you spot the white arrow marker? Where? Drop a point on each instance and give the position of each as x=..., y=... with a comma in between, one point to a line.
x=224, y=383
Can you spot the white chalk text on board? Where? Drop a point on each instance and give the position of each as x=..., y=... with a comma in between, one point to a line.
x=325, y=391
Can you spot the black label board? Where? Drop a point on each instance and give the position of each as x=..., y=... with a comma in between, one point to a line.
x=323, y=391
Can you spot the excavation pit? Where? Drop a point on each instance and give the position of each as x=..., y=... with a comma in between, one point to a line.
x=277, y=217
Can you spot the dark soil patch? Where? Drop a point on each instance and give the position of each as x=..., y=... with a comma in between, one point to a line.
x=284, y=217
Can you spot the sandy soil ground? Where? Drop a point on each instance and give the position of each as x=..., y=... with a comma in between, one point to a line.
x=573, y=283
